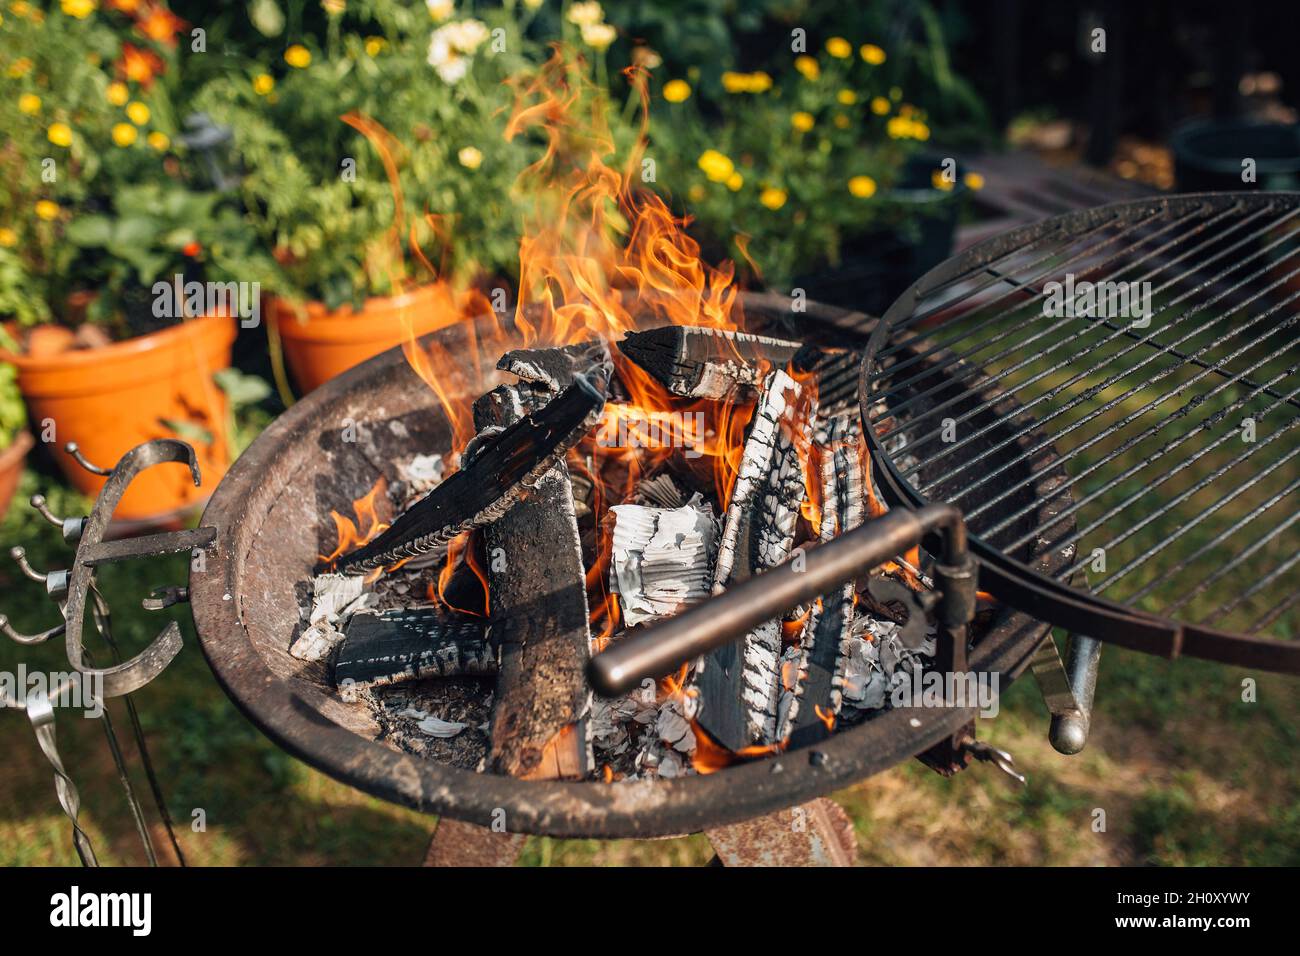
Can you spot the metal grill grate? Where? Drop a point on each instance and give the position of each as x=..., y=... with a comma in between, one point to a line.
x=1167, y=437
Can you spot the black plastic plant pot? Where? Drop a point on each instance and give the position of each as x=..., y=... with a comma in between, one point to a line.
x=1209, y=155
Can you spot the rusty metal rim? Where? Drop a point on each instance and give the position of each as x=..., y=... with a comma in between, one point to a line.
x=290, y=713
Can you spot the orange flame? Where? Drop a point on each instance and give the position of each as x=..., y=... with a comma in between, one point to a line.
x=368, y=525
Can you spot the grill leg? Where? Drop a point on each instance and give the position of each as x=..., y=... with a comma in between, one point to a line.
x=818, y=833
x=1068, y=689
x=467, y=844
x=1069, y=731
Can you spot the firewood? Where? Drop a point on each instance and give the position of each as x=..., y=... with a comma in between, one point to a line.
x=555, y=368
x=491, y=481
x=702, y=362
x=661, y=558
x=824, y=651
x=739, y=684
x=540, y=625
x=335, y=598
x=412, y=643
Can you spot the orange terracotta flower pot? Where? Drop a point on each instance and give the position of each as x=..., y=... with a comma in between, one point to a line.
x=320, y=343
x=11, y=468
x=108, y=400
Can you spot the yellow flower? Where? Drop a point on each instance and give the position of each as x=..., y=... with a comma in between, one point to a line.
x=470, y=157
x=29, y=103
x=841, y=121
x=263, y=83
x=973, y=180
x=920, y=131
x=872, y=54
x=772, y=198
x=585, y=14
x=895, y=93
x=19, y=67
x=716, y=166
x=118, y=94
x=939, y=181
x=78, y=8
x=137, y=113
x=158, y=140
x=746, y=82
x=598, y=36
x=808, y=67
x=440, y=10
x=677, y=91
x=375, y=45
x=802, y=121
x=864, y=187
x=839, y=48
x=298, y=56
x=48, y=210
x=846, y=97
x=20, y=9
x=879, y=105
x=124, y=134
x=8, y=238
x=735, y=82
x=735, y=181
x=695, y=193
x=60, y=134
x=900, y=127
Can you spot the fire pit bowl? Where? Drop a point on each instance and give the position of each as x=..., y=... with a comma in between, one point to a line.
x=271, y=515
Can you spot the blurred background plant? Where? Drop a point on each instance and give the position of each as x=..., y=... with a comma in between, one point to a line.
x=13, y=415
x=781, y=169
x=389, y=90
x=97, y=198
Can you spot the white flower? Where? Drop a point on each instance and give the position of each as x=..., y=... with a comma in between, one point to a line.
x=440, y=10
x=448, y=63
x=598, y=35
x=587, y=13
x=452, y=45
x=470, y=157
x=466, y=35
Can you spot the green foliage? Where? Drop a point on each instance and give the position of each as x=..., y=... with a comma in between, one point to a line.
x=96, y=194
x=13, y=416
x=154, y=232
x=317, y=187
x=785, y=170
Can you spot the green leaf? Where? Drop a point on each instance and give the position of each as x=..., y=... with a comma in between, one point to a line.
x=90, y=231
x=189, y=431
x=241, y=389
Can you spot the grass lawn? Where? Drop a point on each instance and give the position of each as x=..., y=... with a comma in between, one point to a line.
x=1186, y=772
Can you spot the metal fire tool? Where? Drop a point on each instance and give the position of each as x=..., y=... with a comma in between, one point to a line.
x=71, y=590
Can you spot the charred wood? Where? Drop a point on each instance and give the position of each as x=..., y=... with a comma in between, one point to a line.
x=825, y=648
x=493, y=480
x=702, y=362
x=540, y=625
x=394, y=646
x=740, y=684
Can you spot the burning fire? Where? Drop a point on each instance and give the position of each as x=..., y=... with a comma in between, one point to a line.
x=368, y=524
x=598, y=257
